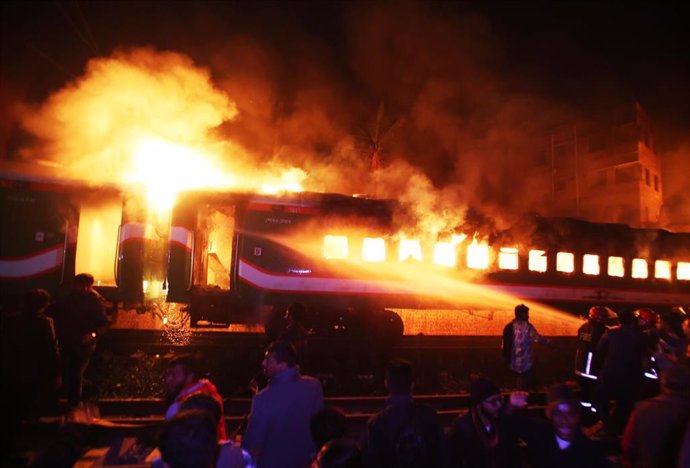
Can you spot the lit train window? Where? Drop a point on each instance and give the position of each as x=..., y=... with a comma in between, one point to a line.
x=662, y=269
x=444, y=254
x=590, y=264
x=537, y=261
x=373, y=249
x=683, y=271
x=410, y=249
x=639, y=268
x=565, y=262
x=616, y=267
x=478, y=255
x=508, y=258
x=335, y=247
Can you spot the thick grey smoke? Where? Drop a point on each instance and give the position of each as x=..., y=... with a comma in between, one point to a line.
x=423, y=88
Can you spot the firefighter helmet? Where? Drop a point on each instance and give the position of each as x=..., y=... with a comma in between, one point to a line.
x=647, y=319
x=602, y=315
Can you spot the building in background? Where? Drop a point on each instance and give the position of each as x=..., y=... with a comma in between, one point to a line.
x=604, y=169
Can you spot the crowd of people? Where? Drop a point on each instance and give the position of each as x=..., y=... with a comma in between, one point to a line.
x=631, y=388
x=289, y=425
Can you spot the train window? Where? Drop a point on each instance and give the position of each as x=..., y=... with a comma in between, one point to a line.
x=590, y=264
x=508, y=258
x=565, y=262
x=373, y=249
x=537, y=261
x=410, y=249
x=683, y=271
x=478, y=255
x=616, y=267
x=335, y=247
x=444, y=254
x=662, y=269
x=639, y=268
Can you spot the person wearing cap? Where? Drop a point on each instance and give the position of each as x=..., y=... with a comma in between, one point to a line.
x=655, y=431
x=587, y=362
x=481, y=437
x=559, y=440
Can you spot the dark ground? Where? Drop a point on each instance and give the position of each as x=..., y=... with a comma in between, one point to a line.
x=133, y=365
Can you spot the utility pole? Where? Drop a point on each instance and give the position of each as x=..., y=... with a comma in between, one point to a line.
x=553, y=181
x=577, y=175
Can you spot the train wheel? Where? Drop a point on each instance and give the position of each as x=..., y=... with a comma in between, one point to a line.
x=392, y=325
x=384, y=327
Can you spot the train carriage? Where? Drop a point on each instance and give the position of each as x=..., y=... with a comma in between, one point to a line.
x=231, y=257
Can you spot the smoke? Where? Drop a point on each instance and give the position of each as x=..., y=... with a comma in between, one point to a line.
x=92, y=125
x=676, y=209
x=425, y=87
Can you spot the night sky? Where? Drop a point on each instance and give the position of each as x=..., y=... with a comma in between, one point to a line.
x=463, y=84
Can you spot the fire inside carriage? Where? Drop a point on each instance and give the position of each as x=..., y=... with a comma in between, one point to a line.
x=228, y=257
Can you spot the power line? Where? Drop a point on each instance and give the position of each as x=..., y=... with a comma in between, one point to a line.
x=76, y=30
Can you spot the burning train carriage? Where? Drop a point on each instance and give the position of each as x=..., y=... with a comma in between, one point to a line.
x=573, y=264
x=234, y=257
x=338, y=254
x=231, y=257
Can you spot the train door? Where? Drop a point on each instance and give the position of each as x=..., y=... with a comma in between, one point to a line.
x=200, y=256
x=141, y=252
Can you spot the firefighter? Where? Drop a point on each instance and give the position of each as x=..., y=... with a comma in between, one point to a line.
x=648, y=322
x=620, y=350
x=586, y=360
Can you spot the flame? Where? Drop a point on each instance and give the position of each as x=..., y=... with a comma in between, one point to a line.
x=590, y=264
x=662, y=269
x=148, y=117
x=373, y=249
x=166, y=168
x=288, y=181
x=565, y=262
x=508, y=258
x=616, y=267
x=683, y=271
x=537, y=261
x=410, y=249
x=335, y=247
x=444, y=254
x=639, y=268
x=478, y=255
